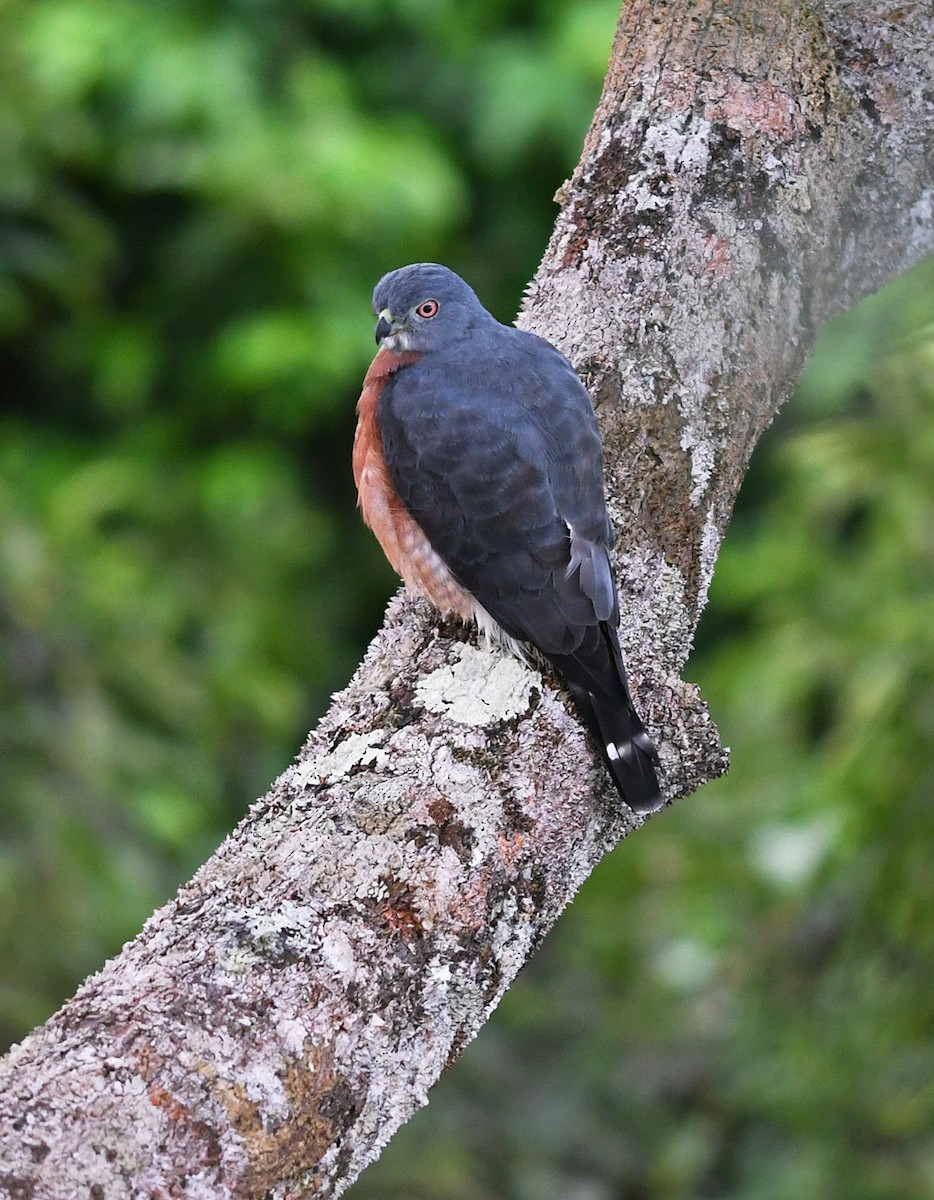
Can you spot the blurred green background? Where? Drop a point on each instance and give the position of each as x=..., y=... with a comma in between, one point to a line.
x=195, y=201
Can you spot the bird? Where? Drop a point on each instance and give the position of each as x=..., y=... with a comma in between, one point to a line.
x=479, y=467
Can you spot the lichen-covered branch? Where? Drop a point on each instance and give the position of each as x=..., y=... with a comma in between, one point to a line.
x=753, y=167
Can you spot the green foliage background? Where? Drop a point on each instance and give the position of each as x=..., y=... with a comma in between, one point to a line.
x=195, y=200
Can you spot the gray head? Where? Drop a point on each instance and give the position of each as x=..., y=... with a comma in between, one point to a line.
x=425, y=305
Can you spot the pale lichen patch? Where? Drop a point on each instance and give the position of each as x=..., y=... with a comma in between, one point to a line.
x=356, y=750
x=680, y=144
x=337, y=951
x=921, y=217
x=703, y=457
x=480, y=688
x=707, y=558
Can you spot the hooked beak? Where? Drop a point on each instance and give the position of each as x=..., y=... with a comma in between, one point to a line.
x=384, y=326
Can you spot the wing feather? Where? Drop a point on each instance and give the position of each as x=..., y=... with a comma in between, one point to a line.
x=507, y=484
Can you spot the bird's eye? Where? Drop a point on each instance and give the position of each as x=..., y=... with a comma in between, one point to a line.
x=427, y=309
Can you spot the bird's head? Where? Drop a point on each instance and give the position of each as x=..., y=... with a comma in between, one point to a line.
x=423, y=306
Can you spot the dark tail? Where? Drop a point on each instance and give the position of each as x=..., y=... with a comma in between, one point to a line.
x=607, y=710
x=625, y=747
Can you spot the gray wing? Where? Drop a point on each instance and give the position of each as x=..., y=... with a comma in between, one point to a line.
x=498, y=459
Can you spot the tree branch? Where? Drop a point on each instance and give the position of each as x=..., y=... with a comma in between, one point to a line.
x=752, y=168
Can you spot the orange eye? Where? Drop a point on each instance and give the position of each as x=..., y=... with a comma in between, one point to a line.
x=427, y=309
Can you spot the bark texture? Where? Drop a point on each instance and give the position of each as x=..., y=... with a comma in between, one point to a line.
x=753, y=167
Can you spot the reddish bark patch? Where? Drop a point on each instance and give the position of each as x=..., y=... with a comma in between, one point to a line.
x=398, y=909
